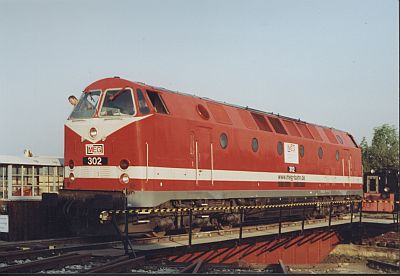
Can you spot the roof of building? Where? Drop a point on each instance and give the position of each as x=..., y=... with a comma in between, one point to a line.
x=35, y=160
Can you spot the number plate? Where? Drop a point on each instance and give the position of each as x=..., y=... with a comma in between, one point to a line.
x=95, y=161
x=94, y=149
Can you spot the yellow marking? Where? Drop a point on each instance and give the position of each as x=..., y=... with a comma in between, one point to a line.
x=104, y=214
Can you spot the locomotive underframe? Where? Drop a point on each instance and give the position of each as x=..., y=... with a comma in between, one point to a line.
x=82, y=208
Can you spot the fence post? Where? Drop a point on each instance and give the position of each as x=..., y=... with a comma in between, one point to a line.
x=280, y=221
x=241, y=225
x=190, y=226
x=351, y=212
x=304, y=217
x=330, y=215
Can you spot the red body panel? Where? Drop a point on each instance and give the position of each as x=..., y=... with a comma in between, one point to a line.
x=373, y=202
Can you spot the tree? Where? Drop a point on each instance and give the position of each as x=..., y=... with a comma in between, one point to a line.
x=383, y=153
x=365, y=154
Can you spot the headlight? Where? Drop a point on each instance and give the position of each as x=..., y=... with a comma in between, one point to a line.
x=71, y=164
x=124, y=164
x=93, y=132
x=71, y=177
x=124, y=178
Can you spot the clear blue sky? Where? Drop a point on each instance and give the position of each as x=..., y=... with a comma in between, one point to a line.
x=334, y=63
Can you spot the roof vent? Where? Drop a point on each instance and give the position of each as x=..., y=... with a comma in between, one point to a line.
x=116, y=77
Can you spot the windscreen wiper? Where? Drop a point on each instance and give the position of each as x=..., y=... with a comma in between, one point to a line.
x=113, y=97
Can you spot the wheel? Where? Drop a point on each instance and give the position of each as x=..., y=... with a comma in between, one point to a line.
x=158, y=234
x=225, y=226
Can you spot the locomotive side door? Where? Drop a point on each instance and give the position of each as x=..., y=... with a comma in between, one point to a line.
x=347, y=165
x=203, y=157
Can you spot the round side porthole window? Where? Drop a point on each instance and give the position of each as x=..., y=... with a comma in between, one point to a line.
x=254, y=144
x=202, y=111
x=301, y=150
x=280, y=148
x=339, y=139
x=337, y=155
x=223, y=140
x=320, y=153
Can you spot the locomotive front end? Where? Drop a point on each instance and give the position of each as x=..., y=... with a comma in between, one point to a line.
x=101, y=144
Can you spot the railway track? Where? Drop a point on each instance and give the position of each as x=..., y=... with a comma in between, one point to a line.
x=53, y=254
x=388, y=240
x=47, y=263
x=42, y=255
x=233, y=231
x=50, y=243
x=10, y=256
x=385, y=266
x=121, y=264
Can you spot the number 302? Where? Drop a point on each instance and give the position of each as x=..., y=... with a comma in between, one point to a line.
x=94, y=161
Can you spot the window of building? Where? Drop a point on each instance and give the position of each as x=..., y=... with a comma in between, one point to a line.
x=254, y=144
x=223, y=140
x=277, y=125
x=280, y=148
x=157, y=102
x=337, y=155
x=261, y=122
x=3, y=182
x=144, y=109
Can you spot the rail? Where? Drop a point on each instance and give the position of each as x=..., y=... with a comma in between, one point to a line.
x=30, y=253
x=193, y=267
x=389, y=267
x=121, y=264
x=45, y=264
x=283, y=269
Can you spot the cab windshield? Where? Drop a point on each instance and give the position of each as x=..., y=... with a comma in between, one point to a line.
x=86, y=106
x=117, y=102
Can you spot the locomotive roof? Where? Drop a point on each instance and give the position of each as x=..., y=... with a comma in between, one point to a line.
x=235, y=106
x=117, y=81
x=34, y=161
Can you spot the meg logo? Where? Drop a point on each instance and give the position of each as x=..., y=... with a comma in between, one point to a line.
x=94, y=149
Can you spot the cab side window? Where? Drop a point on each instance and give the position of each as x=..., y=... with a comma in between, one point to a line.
x=157, y=102
x=144, y=109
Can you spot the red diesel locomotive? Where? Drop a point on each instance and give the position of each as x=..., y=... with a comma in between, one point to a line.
x=166, y=149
